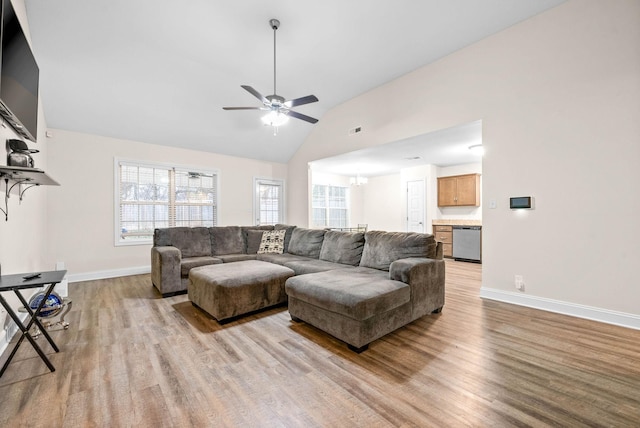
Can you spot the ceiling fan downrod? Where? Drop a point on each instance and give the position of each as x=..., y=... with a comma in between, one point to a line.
x=275, y=24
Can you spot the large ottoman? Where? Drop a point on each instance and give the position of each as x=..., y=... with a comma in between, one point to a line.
x=356, y=305
x=228, y=290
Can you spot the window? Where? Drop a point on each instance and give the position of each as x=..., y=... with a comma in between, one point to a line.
x=330, y=206
x=269, y=204
x=150, y=196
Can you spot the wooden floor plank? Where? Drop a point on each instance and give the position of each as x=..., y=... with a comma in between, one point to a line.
x=131, y=358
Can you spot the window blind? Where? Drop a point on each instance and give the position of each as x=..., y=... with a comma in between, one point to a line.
x=155, y=196
x=269, y=201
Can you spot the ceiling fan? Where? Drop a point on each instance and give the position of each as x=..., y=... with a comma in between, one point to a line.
x=279, y=109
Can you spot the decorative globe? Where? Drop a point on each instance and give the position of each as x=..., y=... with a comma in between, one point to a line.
x=51, y=307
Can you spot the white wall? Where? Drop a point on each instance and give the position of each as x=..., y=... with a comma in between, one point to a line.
x=80, y=213
x=382, y=203
x=24, y=235
x=559, y=100
x=358, y=212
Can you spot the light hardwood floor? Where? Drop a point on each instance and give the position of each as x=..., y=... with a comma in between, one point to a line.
x=131, y=358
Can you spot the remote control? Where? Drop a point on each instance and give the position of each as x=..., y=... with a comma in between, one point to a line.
x=32, y=276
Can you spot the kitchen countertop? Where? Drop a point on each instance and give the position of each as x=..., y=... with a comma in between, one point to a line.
x=445, y=222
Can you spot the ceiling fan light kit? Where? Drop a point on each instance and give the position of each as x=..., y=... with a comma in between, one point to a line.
x=275, y=118
x=279, y=108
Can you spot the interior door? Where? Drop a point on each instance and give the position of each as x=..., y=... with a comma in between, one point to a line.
x=415, y=206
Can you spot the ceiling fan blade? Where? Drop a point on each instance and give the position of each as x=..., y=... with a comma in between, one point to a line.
x=242, y=108
x=302, y=116
x=256, y=94
x=301, y=101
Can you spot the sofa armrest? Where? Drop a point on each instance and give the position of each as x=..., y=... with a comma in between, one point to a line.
x=165, y=268
x=426, y=278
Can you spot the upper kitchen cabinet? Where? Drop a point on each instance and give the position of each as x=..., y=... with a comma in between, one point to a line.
x=459, y=191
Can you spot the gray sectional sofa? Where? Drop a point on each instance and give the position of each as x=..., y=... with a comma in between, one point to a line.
x=355, y=286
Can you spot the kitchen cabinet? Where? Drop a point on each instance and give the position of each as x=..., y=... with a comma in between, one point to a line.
x=444, y=234
x=459, y=191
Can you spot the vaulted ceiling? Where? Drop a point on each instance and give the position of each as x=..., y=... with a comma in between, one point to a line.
x=160, y=71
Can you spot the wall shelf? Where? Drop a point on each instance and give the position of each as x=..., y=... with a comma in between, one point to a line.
x=24, y=178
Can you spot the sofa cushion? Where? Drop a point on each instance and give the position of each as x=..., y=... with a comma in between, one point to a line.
x=287, y=236
x=303, y=267
x=252, y=236
x=191, y=241
x=227, y=240
x=191, y=262
x=162, y=237
x=230, y=258
x=350, y=292
x=383, y=248
x=280, y=259
x=272, y=242
x=342, y=247
x=306, y=242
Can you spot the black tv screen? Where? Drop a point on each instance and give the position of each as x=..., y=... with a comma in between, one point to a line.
x=19, y=75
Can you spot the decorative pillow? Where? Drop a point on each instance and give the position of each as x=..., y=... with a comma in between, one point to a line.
x=252, y=240
x=272, y=242
x=287, y=236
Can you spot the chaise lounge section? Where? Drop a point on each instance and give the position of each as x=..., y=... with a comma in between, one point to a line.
x=398, y=281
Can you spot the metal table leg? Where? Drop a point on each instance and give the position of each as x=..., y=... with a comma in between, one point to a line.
x=25, y=330
x=34, y=317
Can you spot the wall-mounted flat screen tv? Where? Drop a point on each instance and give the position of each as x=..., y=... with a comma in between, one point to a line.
x=19, y=75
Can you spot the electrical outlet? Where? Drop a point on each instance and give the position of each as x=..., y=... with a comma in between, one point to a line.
x=519, y=282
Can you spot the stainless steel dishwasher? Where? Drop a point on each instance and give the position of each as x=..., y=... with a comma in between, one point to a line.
x=467, y=243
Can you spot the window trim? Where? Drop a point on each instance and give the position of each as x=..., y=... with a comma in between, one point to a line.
x=150, y=164
x=327, y=208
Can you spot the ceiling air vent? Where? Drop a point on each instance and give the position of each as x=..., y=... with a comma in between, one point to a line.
x=355, y=130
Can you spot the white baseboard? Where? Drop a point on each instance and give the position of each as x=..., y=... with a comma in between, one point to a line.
x=572, y=309
x=114, y=273
x=4, y=340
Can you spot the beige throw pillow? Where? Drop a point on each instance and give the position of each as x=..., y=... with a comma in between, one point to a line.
x=272, y=242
